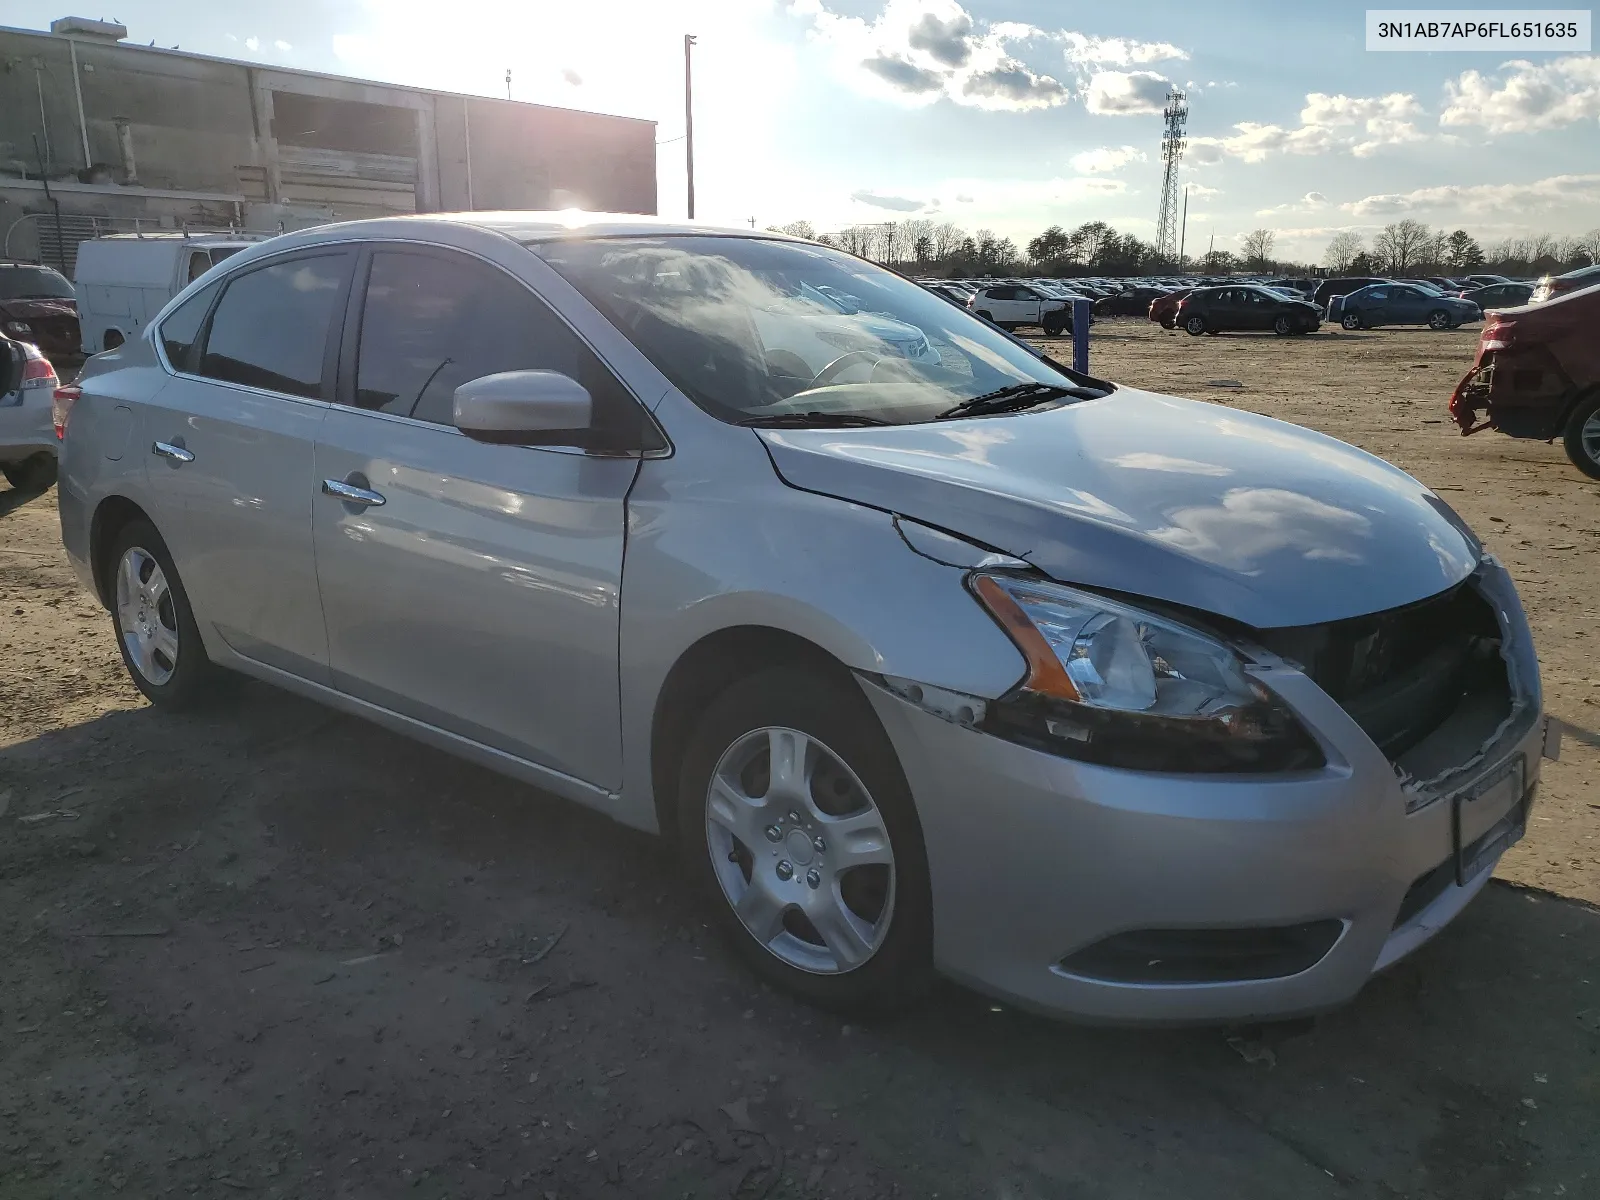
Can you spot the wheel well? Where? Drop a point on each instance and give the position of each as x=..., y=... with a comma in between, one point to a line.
x=105, y=339
x=705, y=670
x=114, y=512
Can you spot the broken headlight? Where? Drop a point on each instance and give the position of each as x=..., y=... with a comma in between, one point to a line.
x=1112, y=684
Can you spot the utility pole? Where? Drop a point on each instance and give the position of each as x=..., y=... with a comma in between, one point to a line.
x=508, y=83
x=1183, y=233
x=688, y=116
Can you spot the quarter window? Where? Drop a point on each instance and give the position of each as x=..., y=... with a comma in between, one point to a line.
x=271, y=327
x=432, y=322
x=182, y=327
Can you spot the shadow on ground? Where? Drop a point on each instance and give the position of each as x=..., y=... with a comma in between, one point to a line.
x=270, y=948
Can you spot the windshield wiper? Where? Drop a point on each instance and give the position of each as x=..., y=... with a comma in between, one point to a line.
x=1006, y=399
x=811, y=420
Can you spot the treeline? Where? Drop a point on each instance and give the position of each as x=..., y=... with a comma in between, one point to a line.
x=923, y=246
x=1411, y=248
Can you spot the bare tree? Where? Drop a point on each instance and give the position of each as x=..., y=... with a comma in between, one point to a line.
x=1589, y=245
x=1342, y=250
x=1401, y=245
x=1256, y=249
x=947, y=239
x=916, y=236
x=799, y=229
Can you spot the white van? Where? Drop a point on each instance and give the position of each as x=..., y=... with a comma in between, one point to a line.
x=123, y=280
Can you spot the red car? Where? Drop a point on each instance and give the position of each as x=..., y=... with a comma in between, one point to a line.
x=1164, y=309
x=38, y=305
x=1537, y=375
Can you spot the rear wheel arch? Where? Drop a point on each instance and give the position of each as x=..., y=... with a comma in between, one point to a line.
x=113, y=513
x=704, y=671
x=112, y=338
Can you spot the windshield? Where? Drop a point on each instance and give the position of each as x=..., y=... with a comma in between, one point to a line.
x=33, y=283
x=755, y=329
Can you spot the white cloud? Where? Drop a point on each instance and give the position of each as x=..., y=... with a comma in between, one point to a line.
x=1526, y=98
x=916, y=52
x=1309, y=203
x=1118, y=52
x=1106, y=158
x=1358, y=125
x=282, y=45
x=892, y=203
x=1198, y=191
x=1555, y=191
x=1126, y=93
x=252, y=44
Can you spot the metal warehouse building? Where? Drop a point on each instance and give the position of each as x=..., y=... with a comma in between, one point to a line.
x=97, y=136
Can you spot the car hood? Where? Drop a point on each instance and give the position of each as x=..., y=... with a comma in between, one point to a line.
x=1221, y=510
x=25, y=310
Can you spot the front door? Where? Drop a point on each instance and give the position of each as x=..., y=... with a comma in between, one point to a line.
x=1375, y=306
x=234, y=433
x=476, y=586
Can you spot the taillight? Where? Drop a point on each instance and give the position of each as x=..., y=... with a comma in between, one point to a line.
x=38, y=373
x=61, y=407
x=1496, y=336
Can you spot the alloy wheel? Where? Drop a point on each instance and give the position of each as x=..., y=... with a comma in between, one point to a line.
x=800, y=850
x=146, y=618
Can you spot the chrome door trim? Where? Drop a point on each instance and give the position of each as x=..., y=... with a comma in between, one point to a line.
x=176, y=453
x=351, y=494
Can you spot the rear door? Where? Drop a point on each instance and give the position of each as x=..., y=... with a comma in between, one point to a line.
x=478, y=589
x=232, y=446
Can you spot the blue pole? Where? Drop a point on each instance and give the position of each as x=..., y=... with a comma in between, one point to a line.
x=1080, y=335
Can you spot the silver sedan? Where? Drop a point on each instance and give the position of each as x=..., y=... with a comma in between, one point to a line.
x=1106, y=703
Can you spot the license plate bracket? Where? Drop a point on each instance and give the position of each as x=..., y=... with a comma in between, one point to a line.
x=1509, y=777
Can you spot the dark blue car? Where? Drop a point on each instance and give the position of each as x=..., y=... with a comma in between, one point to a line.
x=1404, y=304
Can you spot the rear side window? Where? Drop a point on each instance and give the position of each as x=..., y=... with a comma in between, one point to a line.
x=182, y=327
x=271, y=327
x=432, y=322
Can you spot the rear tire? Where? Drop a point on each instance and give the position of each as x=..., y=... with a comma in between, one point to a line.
x=1195, y=326
x=1169, y=322
x=1582, y=437
x=986, y=315
x=730, y=806
x=1438, y=319
x=154, y=624
x=34, y=474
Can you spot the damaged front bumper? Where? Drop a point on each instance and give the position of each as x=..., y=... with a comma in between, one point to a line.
x=1080, y=890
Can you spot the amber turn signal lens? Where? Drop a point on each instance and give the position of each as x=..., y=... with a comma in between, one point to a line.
x=1046, y=675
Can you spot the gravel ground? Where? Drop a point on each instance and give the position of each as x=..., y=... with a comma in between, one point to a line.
x=270, y=950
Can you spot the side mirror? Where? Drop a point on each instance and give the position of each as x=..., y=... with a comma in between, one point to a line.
x=524, y=408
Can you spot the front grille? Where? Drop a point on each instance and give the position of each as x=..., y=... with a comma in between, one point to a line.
x=1402, y=673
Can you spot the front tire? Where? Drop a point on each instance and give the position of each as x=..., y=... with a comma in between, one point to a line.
x=1582, y=437
x=1195, y=326
x=155, y=626
x=1350, y=321
x=1055, y=325
x=1283, y=327
x=799, y=827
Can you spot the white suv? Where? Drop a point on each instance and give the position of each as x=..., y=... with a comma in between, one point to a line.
x=1010, y=305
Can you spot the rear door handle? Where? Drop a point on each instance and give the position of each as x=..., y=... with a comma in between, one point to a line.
x=176, y=453
x=351, y=494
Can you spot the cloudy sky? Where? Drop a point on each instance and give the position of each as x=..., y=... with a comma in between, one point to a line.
x=1006, y=114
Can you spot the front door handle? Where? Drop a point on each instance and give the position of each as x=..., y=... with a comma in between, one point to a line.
x=176, y=453
x=351, y=494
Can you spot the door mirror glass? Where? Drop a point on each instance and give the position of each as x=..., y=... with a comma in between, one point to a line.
x=524, y=408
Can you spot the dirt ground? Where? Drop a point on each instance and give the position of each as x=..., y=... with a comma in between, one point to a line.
x=272, y=951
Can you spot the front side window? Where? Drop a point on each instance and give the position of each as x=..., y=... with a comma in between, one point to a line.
x=432, y=322
x=728, y=322
x=182, y=327
x=271, y=327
